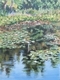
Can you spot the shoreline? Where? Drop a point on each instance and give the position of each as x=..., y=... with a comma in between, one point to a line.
x=22, y=24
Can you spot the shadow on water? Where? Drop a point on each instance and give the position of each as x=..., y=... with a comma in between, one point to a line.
x=7, y=59
x=15, y=62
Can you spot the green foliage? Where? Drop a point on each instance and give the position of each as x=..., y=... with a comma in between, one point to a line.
x=7, y=6
x=10, y=39
x=38, y=4
x=42, y=35
x=8, y=20
x=14, y=5
x=12, y=19
x=40, y=56
x=37, y=34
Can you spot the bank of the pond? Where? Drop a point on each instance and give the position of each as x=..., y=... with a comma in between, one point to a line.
x=17, y=29
x=40, y=35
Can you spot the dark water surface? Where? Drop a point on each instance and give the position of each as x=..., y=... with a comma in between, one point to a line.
x=13, y=67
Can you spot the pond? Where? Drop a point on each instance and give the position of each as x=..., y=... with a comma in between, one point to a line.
x=32, y=53
x=13, y=66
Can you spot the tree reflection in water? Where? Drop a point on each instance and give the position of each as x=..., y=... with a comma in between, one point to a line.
x=55, y=61
x=8, y=57
x=29, y=67
x=38, y=65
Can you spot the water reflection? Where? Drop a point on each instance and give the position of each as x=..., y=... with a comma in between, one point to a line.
x=28, y=68
x=9, y=57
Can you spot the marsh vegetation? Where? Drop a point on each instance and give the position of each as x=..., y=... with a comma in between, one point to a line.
x=29, y=39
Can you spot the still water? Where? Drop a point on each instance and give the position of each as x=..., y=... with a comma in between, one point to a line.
x=13, y=67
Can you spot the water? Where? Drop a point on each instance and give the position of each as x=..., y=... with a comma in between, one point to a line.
x=14, y=67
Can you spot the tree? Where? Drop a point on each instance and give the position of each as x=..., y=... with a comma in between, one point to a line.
x=36, y=4
x=8, y=5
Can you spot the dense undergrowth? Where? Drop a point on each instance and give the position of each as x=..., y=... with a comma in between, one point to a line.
x=10, y=39
x=12, y=19
x=34, y=35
